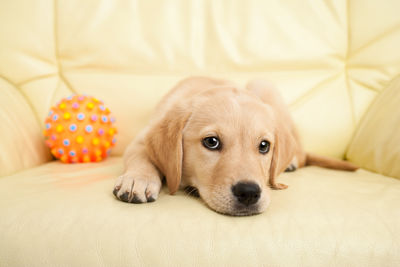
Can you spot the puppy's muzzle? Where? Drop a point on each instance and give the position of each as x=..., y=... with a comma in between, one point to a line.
x=247, y=193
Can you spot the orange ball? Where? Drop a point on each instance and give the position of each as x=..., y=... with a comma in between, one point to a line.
x=80, y=128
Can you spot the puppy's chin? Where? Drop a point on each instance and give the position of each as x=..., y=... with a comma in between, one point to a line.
x=237, y=210
x=226, y=204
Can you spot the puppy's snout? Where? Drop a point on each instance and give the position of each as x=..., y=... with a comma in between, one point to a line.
x=246, y=193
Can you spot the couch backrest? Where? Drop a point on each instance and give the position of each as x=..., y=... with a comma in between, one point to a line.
x=329, y=59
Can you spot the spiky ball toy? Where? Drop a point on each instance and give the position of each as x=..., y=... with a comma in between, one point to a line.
x=80, y=128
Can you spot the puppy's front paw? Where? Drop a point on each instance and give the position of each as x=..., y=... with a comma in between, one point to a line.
x=134, y=189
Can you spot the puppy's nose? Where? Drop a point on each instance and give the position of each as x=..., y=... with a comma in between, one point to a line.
x=246, y=193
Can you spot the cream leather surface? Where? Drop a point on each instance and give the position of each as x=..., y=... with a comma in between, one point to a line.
x=376, y=142
x=328, y=58
x=66, y=215
x=21, y=144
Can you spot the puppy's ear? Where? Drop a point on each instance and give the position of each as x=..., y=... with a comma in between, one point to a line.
x=285, y=142
x=164, y=144
x=283, y=153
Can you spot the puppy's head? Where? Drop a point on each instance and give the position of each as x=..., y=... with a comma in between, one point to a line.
x=228, y=144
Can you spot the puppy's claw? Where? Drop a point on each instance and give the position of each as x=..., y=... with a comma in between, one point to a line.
x=115, y=191
x=131, y=189
x=150, y=199
x=124, y=197
x=136, y=200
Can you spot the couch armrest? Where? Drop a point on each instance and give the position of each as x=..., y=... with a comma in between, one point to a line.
x=376, y=143
x=21, y=141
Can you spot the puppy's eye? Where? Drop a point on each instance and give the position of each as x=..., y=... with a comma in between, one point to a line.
x=264, y=147
x=211, y=143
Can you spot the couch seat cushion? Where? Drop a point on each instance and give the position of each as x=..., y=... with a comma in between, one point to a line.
x=66, y=215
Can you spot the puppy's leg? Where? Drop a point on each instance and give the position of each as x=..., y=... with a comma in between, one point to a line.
x=141, y=181
x=293, y=165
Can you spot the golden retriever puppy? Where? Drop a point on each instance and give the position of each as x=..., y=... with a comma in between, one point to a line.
x=227, y=142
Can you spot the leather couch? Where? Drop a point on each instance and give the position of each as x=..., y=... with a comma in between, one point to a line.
x=335, y=63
